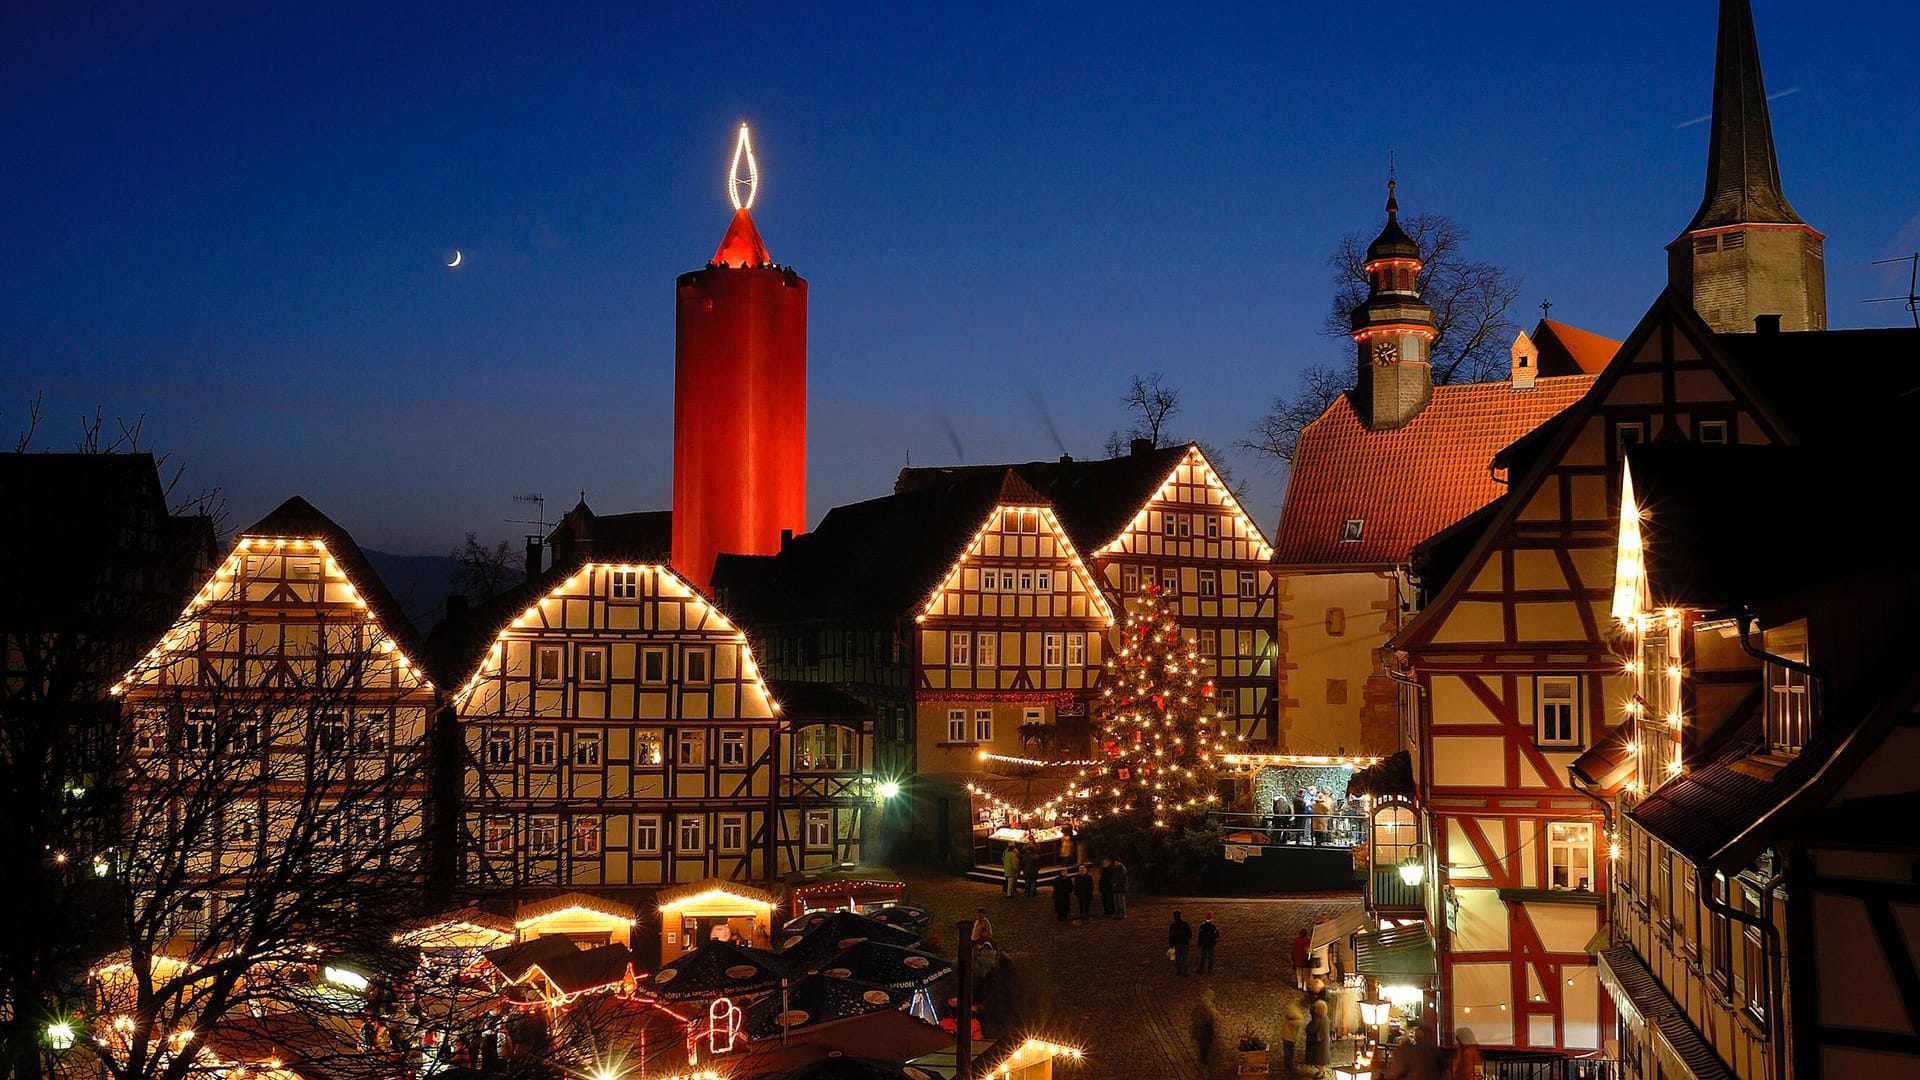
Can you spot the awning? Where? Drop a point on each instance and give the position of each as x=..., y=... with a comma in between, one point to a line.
x=1339, y=928
x=1643, y=1003
x=1396, y=951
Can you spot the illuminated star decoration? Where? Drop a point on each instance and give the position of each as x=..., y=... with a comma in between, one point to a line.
x=1162, y=731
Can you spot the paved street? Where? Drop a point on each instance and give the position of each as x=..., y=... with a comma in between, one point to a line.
x=1107, y=985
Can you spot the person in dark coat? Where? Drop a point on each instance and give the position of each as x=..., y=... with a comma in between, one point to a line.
x=1030, y=869
x=1319, y=1039
x=1106, y=887
x=1083, y=891
x=1119, y=872
x=1179, y=935
x=1207, y=937
x=1302, y=815
x=1063, y=897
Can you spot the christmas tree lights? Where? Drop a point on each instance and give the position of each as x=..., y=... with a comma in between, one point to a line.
x=1162, y=731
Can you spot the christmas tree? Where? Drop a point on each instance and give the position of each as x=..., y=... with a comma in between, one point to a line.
x=1162, y=730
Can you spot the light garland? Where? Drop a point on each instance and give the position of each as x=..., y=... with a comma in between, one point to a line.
x=743, y=147
x=1263, y=551
x=995, y=522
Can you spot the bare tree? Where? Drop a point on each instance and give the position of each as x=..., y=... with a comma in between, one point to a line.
x=1469, y=300
x=1152, y=401
x=481, y=572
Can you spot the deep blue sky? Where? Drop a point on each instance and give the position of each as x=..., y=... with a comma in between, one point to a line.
x=233, y=218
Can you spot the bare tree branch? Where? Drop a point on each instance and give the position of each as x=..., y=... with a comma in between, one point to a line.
x=1152, y=402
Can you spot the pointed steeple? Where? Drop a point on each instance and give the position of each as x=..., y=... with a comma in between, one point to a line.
x=1392, y=329
x=1743, y=172
x=742, y=246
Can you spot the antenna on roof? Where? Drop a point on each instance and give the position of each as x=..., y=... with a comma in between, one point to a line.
x=539, y=502
x=1912, y=299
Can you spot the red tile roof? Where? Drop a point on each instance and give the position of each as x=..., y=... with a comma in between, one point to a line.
x=1587, y=350
x=1408, y=483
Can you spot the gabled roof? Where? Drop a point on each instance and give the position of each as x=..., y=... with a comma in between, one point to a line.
x=741, y=246
x=298, y=519
x=582, y=535
x=880, y=558
x=1094, y=500
x=1569, y=350
x=801, y=702
x=587, y=969
x=1406, y=484
x=554, y=905
x=1831, y=386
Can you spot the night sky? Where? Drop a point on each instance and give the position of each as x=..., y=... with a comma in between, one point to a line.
x=234, y=218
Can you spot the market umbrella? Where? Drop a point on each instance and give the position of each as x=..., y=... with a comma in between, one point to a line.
x=843, y=929
x=886, y=1035
x=886, y=965
x=803, y=923
x=817, y=999
x=904, y=916
x=717, y=969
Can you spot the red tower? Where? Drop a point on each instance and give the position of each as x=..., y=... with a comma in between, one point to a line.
x=739, y=395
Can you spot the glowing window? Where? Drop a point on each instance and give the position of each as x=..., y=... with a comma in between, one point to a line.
x=586, y=748
x=733, y=748
x=547, y=666
x=593, y=665
x=1570, y=855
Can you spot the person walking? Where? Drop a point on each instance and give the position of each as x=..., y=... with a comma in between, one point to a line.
x=1030, y=869
x=1319, y=1039
x=1106, y=887
x=1119, y=872
x=982, y=928
x=1083, y=891
x=1010, y=863
x=1179, y=935
x=1063, y=896
x=1293, y=1032
x=1302, y=958
x=1206, y=937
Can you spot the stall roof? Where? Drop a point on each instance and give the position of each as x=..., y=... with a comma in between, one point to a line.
x=682, y=893
x=1405, y=951
x=1340, y=926
x=568, y=901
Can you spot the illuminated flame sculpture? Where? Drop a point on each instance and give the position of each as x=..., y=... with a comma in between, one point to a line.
x=750, y=181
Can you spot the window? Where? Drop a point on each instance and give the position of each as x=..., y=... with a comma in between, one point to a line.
x=586, y=749
x=1170, y=582
x=1006, y=581
x=1570, y=855
x=1733, y=241
x=1653, y=877
x=733, y=832
x=989, y=581
x=1336, y=621
x=1167, y=526
x=956, y=725
x=1249, y=585
x=499, y=746
x=547, y=665
x=242, y=825
x=369, y=829
x=1043, y=580
x=150, y=733
x=1396, y=834
x=1556, y=710
x=1720, y=951
x=1213, y=527
x=1076, y=649
x=1209, y=645
x=696, y=665
x=593, y=665
x=653, y=665
x=1753, y=961
x=693, y=750
x=649, y=748
x=983, y=725
x=1129, y=580
x=329, y=732
x=496, y=836
x=243, y=733
x=199, y=734
x=1246, y=643
x=646, y=834
x=586, y=836
x=1026, y=581
x=1209, y=583
x=1789, y=707
x=1626, y=436
x=960, y=649
x=1712, y=431
x=1032, y=716
x=986, y=649
x=819, y=828
x=1184, y=522
x=370, y=737
x=543, y=834
x=626, y=584
x=826, y=748
x=1052, y=650
x=544, y=748
x=1350, y=530
x=733, y=749
x=693, y=834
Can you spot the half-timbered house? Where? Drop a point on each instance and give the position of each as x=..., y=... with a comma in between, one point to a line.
x=283, y=714
x=618, y=733
x=1163, y=515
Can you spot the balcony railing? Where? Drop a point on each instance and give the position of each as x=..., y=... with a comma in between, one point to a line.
x=1387, y=889
x=1296, y=830
x=1553, y=1068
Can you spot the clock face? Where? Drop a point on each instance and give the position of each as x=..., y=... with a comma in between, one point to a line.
x=1385, y=352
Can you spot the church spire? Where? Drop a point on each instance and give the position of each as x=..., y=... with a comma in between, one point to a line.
x=1392, y=329
x=1743, y=172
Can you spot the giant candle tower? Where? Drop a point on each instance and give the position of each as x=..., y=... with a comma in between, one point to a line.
x=739, y=394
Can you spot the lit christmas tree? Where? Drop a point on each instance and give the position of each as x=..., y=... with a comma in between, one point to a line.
x=1162, y=730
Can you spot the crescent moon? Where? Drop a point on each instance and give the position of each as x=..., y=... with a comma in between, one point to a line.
x=456, y=259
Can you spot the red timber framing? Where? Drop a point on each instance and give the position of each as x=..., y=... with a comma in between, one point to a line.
x=1517, y=675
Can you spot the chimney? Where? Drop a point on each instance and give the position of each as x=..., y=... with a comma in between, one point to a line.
x=1524, y=362
x=1766, y=324
x=1066, y=459
x=1142, y=446
x=533, y=557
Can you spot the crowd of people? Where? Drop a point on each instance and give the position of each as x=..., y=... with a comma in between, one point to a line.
x=1315, y=816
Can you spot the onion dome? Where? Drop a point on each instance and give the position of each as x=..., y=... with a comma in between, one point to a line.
x=1393, y=241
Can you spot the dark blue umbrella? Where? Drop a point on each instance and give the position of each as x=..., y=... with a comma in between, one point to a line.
x=886, y=965
x=718, y=969
x=814, y=1000
x=840, y=930
x=905, y=917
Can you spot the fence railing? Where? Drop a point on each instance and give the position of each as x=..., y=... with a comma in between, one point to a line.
x=1295, y=830
x=1388, y=889
x=1553, y=1068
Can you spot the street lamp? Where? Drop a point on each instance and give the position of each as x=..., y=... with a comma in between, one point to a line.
x=60, y=1035
x=1413, y=871
x=889, y=789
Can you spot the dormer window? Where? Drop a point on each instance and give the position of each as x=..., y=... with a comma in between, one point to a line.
x=1350, y=531
x=1789, y=706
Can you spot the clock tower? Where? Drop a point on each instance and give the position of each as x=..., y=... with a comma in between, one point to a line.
x=1392, y=330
